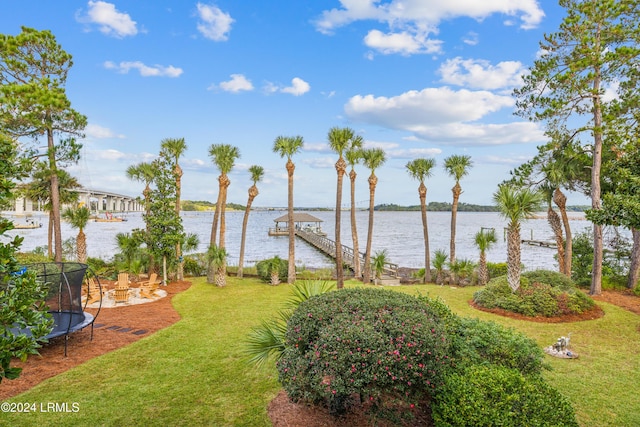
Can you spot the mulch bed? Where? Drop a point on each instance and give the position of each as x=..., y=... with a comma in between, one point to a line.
x=118, y=327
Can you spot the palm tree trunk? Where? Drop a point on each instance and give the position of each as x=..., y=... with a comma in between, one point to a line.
x=556, y=226
x=373, y=181
x=222, y=270
x=513, y=256
x=216, y=214
x=422, y=191
x=634, y=268
x=291, y=276
x=354, y=230
x=253, y=192
x=456, y=190
x=483, y=271
x=341, y=165
x=81, y=247
x=561, y=201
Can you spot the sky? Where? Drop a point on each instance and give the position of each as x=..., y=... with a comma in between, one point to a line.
x=417, y=78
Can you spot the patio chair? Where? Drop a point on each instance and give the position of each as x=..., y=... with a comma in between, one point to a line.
x=121, y=292
x=95, y=293
x=148, y=288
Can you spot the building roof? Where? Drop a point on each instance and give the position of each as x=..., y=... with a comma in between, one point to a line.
x=298, y=217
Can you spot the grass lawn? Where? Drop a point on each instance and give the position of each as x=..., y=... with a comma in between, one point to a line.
x=192, y=373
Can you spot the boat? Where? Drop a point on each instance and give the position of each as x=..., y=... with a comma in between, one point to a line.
x=108, y=217
x=30, y=224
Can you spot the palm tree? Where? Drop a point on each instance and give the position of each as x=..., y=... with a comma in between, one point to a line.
x=372, y=158
x=257, y=172
x=353, y=155
x=380, y=258
x=176, y=148
x=145, y=172
x=340, y=140
x=439, y=261
x=456, y=166
x=78, y=218
x=483, y=240
x=287, y=146
x=217, y=260
x=224, y=157
x=515, y=204
x=547, y=190
x=40, y=189
x=420, y=169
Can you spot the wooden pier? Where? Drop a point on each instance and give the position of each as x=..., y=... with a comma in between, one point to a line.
x=328, y=247
x=542, y=243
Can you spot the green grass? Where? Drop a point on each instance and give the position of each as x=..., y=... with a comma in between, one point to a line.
x=193, y=373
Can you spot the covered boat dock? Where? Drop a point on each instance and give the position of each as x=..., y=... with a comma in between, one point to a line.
x=302, y=222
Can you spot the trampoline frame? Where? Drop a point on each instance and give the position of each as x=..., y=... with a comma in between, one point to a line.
x=66, y=319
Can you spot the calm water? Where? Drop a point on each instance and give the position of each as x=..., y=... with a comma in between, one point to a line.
x=398, y=232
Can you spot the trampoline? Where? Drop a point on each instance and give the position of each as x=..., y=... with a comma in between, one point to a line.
x=66, y=281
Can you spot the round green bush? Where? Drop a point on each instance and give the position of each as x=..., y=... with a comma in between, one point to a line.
x=377, y=344
x=477, y=342
x=263, y=269
x=541, y=293
x=499, y=396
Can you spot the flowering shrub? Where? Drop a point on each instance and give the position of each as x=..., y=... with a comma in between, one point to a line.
x=375, y=344
x=541, y=293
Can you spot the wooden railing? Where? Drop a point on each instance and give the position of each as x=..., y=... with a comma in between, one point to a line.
x=328, y=247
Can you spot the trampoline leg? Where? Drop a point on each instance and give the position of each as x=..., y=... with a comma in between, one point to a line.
x=91, y=331
x=66, y=338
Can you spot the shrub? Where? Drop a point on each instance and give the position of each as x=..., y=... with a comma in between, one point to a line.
x=499, y=396
x=476, y=342
x=378, y=344
x=541, y=293
x=195, y=265
x=496, y=269
x=552, y=278
x=265, y=267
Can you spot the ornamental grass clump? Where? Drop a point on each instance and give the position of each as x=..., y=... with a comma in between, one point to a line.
x=365, y=345
x=541, y=293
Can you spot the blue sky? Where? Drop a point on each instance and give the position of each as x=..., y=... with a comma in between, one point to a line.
x=418, y=78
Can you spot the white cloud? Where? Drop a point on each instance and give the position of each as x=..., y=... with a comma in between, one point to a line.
x=393, y=150
x=320, y=162
x=421, y=13
x=444, y=116
x=317, y=148
x=428, y=106
x=480, y=74
x=237, y=83
x=471, y=39
x=411, y=21
x=110, y=154
x=144, y=70
x=99, y=132
x=403, y=43
x=109, y=20
x=214, y=24
x=298, y=87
